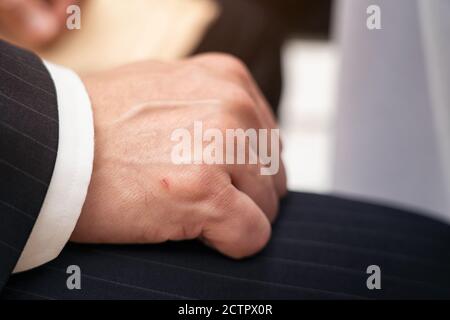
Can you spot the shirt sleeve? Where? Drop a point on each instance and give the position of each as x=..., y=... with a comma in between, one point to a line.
x=71, y=176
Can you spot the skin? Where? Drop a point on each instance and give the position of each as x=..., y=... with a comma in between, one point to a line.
x=137, y=195
x=33, y=23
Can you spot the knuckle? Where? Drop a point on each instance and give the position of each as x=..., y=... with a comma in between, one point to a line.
x=205, y=182
x=241, y=97
x=228, y=63
x=193, y=69
x=219, y=204
x=219, y=200
x=231, y=61
x=238, y=98
x=226, y=119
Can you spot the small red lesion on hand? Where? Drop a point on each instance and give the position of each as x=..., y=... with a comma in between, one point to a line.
x=165, y=183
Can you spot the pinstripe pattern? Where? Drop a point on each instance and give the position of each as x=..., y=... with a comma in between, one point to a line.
x=28, y=144
x=321, y=245
x=320, y=249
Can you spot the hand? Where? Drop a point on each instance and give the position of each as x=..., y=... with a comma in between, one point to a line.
x=138, y=195
x=32, y=23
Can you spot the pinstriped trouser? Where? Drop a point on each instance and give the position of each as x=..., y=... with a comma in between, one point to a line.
x=320, y=249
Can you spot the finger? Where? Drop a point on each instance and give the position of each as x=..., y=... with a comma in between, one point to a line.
x=268, y=146
x=240, y=229
x=260, y=188
x=262, y=153
x=227, y=67
x=280, y=180
x=274, y=162
x=28, y=21
x=245, y=168
x=274, y=147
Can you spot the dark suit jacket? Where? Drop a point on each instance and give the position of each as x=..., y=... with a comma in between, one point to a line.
x=321, y=246
x=28, y=146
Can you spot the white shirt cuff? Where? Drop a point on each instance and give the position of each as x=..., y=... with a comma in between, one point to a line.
x=71, y=176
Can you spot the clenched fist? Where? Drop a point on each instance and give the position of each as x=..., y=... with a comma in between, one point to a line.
x=138, y=194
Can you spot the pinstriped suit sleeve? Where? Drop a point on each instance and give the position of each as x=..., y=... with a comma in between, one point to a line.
x=71, y=175
x=46, y=155
x=28, y=148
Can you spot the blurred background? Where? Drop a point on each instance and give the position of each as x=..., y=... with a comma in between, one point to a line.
x=364, y=113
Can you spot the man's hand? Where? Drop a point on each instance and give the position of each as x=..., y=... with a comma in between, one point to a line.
x=138, y=195
x=32, y=23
